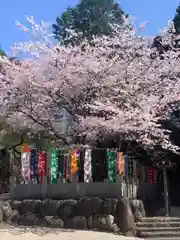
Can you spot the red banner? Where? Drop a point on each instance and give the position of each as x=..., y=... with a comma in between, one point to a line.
x=41, y=165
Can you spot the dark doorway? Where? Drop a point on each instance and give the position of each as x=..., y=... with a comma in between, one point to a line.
x=159, y=200
x=173, y=175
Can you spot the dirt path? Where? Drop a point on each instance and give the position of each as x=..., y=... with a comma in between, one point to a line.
x=10, y=233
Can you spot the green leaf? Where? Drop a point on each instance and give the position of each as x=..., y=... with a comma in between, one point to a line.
x=90, y=17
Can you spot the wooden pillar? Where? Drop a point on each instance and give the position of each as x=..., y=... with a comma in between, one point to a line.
x=166, y=195
x=134, y=183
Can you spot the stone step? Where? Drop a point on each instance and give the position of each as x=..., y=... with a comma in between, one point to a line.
x=158, y=234
x=159, y=229
x=162, y=228
x=160, y=219
x=164, y=238
x=157, y=224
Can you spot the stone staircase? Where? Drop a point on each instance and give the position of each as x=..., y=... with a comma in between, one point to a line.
x=161, y=228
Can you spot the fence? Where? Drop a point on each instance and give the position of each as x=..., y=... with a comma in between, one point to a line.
x=76, y=190
x=130, y=184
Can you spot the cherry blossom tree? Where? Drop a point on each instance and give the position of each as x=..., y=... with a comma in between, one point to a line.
x=116, y=84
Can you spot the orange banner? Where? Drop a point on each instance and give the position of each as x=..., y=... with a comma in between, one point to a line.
x=73, y=163
x=120, y=163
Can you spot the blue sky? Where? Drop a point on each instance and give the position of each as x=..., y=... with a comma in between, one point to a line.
x=156, y=12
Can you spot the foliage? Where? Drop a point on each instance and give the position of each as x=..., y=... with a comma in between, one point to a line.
x=176, y=20
x=89, y=17
x=2, y=53
x=11, y=139
x=111, y=84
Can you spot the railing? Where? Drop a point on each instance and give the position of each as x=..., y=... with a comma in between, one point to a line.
x=71, y=190
x=132, y=188
x=130, y=184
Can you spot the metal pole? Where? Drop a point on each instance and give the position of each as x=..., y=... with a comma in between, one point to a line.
x=166, y=197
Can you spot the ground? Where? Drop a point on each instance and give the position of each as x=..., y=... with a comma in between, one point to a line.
x=21, y=233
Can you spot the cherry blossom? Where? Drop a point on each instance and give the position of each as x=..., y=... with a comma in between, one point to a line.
x=116, y=84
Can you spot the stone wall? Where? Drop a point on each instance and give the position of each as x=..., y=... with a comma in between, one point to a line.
x=108, y=214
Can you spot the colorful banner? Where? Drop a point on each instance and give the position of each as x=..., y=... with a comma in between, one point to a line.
x=41, y=165
x=44, y=163
x=73, y=163
x=124, y=165
x=151, y=175
x=87, y=166
x=65, y=165
x=33, y=165
x=111, y=161
x=53, y=165
x=120, y=163
x=25, y=167
x=154, y=175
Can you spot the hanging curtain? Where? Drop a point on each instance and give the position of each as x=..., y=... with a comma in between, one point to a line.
x=33, y=164
x=154, y=175
x=120, y=165
x=73, y=164
x=41, y=165
x=25, y=163
x=150, y=175
x=111, y=161
x=53, y=165
x=87, y=165
x=44, y=164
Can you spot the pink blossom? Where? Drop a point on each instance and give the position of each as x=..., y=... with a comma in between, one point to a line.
x=111, y=85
